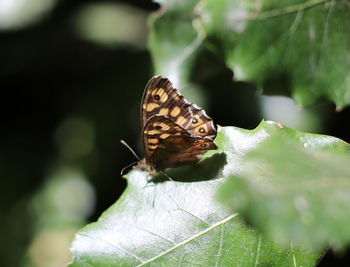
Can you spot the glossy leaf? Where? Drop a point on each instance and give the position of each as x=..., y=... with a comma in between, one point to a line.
x=179, y=222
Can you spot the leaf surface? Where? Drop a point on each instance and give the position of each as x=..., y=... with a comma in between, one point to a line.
x=180, y=222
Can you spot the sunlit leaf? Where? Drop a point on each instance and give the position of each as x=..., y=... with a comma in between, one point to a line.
x=158, y=221
x=292, y=186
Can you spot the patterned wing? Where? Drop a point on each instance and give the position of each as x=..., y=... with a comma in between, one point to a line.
x=179, y=150
x=161, y=98
x=167, y=144
x=156, y=129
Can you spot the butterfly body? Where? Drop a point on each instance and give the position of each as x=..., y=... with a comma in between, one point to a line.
x=174, y=131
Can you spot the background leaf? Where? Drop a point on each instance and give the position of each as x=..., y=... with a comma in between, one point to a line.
x=173, y=40
x=293, y=186
x=297, y=48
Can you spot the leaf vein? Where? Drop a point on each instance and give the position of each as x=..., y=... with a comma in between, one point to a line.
x=188, y=212
x=258, y=251
x=110, y=244
x=288, y=9
x=155, y=234
x=186, y=241
x=220, y=246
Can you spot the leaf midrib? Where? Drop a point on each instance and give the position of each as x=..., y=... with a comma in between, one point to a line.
x=219, y=223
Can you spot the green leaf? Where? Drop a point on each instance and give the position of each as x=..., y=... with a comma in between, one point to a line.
x=293, y=186
x=173, y=40
x=304, y=44
x=178, y=223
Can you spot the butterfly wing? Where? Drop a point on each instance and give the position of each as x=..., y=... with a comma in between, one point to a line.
x=157, y=129
x=161, y=98
x=167, y=144
x=180, y=150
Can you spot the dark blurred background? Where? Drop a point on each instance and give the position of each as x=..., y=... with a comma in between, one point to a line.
x=72, y=75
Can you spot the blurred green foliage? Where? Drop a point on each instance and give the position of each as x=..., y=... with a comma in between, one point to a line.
x=71, y=78
x=292, y=185
x=303, y=42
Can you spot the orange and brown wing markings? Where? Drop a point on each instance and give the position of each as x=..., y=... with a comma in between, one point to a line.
x=161, y=98
x=157, y=129
x=201, y=124
x=175, y=131
x=155, y=96
x=179, y=150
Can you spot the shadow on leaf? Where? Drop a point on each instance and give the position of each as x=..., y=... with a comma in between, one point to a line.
x=207, y=169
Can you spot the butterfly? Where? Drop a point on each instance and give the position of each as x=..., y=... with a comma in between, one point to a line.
x=175, y=132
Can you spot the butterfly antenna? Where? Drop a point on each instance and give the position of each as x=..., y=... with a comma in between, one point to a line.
x=130, y=149
x=127, y=167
